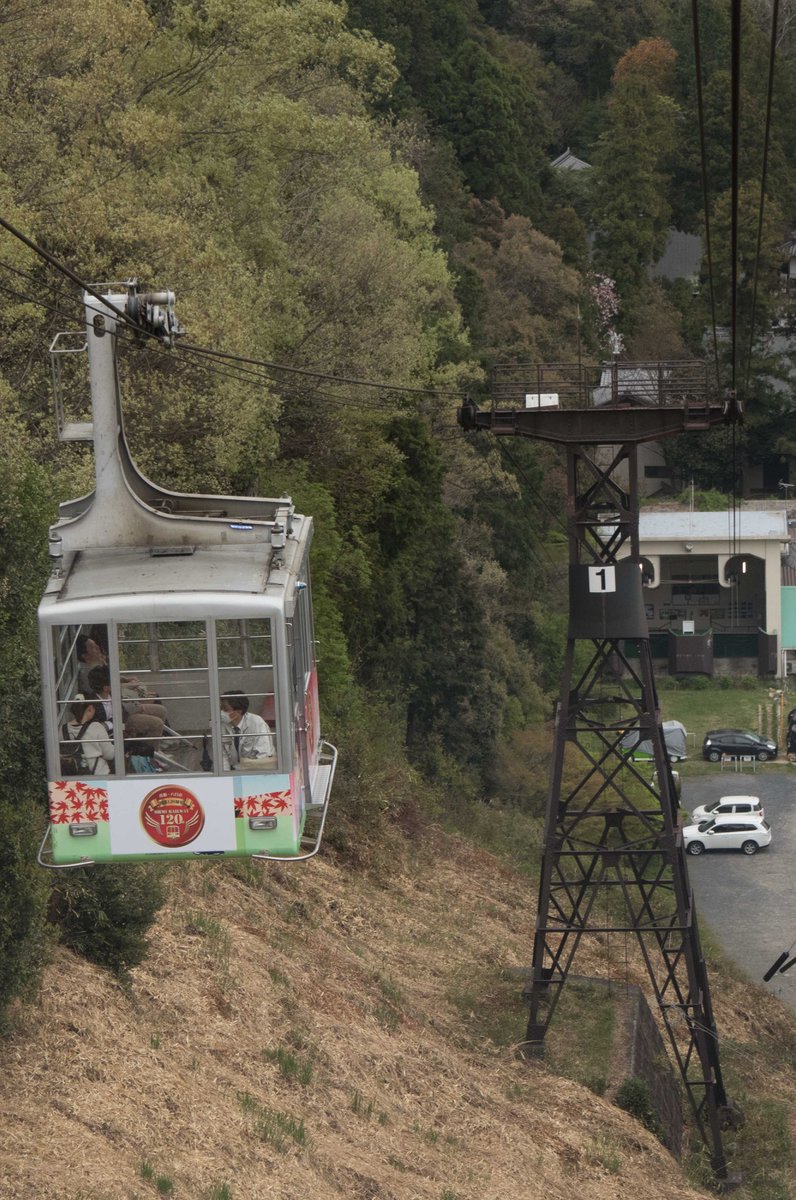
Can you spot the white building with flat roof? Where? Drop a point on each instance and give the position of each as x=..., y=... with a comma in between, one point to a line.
x=715, y=576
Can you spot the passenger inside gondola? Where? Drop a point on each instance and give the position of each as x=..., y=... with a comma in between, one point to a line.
x=141, y=719
x=163, y=671
x=140, y=757
x=248, y=743
x=163, y=685
x=89, y=655
x=86, y=727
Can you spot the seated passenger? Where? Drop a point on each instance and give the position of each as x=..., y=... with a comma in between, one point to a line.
x=139, y=757
x=89, y=655
x=247, y=737
x=92, y=651
x=86, y=726
x=141, y=720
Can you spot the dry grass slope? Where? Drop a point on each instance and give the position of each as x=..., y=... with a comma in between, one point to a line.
x=294, y=1033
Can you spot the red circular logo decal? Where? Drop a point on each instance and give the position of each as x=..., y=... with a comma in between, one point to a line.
x=172, y=816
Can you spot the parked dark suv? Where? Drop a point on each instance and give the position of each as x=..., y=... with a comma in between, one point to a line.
x=737, y=743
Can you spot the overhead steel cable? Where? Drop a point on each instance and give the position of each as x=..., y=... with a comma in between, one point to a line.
x=239, y=374
x=219, y=354
x=70, y=298
x=247, y=375
x=70, y=274
x=350, y=380
x=80, y=309
x=735, y=114
x=518, y=468
x=30, y=300
x=59, y=312
x=704, y=177
x=537, y=553
x=772, y=52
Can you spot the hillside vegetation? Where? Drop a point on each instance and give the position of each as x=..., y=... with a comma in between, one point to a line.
x=327, y=1032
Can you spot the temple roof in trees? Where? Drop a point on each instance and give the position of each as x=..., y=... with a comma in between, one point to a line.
x=570, y=162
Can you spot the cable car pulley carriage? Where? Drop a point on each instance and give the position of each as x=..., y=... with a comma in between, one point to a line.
x=179, y=676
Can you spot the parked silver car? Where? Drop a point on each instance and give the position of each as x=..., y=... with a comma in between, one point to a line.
x=729, y=806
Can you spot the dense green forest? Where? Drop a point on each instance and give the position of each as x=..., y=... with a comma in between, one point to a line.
x=362, y=191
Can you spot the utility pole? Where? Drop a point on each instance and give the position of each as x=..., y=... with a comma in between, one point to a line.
x=607, y=826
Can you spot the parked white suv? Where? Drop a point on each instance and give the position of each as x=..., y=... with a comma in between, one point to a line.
x=747, y=833
x=729, y=806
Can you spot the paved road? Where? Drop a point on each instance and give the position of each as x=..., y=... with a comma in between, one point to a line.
x=750, y=902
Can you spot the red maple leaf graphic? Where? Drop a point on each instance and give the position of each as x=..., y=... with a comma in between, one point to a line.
x=265, y=804
x=73, y=800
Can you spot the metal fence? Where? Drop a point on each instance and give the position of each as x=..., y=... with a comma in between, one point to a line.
x=589, y=385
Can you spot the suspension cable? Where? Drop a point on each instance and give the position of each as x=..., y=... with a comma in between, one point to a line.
x=704, y=176
x=735, y=110
x=207, y=351
x=265, y=365
x=763, y=174
x=70, y=274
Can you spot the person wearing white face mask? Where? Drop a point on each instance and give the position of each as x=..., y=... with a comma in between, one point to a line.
x=248, y=739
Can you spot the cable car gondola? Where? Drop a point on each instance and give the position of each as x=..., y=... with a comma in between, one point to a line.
x=179, y=677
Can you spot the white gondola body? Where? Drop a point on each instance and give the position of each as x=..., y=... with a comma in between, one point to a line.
x=183, y=599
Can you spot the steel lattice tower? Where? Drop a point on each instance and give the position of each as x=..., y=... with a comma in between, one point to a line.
x=609, y=829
